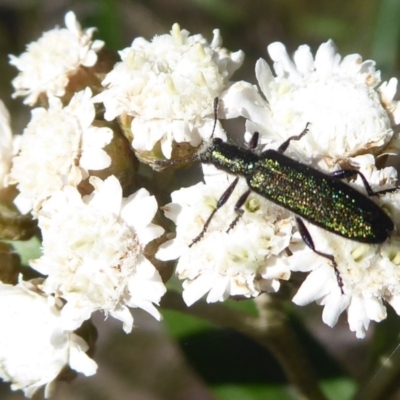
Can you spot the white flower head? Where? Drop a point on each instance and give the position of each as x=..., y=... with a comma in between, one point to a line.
x=349, y=114
x=34, y=348
x=168, y=86
x=6, y=145
x=48, y=63
x=58, y=148
x=93, y=252
x=370, y=274
x=351, y=122
x=246, y=260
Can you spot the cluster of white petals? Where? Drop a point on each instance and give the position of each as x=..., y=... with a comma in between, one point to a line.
x=248, y=259
x=370, y=273
x=34, y=347
x=49, y=62
x=352, y=123
x=57, y=148
x=162, y=93
x=168, y=86
x=349, y=114
x=93, y=252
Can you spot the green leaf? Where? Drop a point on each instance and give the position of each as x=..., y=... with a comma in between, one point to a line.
x=27, y=249
x=252, y=392
x=246, y=306
x=181, y=325
x=385, y=43
x=107, y=21
x=339, y=388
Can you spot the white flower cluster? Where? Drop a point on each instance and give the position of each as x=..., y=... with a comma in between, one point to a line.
x=95, y=262
x=34, y=347
x=48, y=64
x=57, y=149
x=351, y=124
x=96, y=237
x=248, y=259
x=167, y=86
x=93, y=241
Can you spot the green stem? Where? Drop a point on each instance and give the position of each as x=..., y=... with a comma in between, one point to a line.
x=270, y=329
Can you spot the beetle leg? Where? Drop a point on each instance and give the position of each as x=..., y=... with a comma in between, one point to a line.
x=305, y=234
x=349, y=173
x=222, y=200
x=242, y=199
x=282, y=148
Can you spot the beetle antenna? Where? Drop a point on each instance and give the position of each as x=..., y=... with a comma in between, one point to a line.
x=216, y=101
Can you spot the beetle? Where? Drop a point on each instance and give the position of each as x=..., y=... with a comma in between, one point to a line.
x=319, y=198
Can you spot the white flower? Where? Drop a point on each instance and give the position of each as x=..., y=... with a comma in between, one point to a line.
x=378, y=179
x=168, y=86
x=57, y=148
x=48, y=64
x=93, y=252
x=370, y=274
x=244, y=261
x=34, y=348
x=6, y=145
x=351, y=123
x=349, y=115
